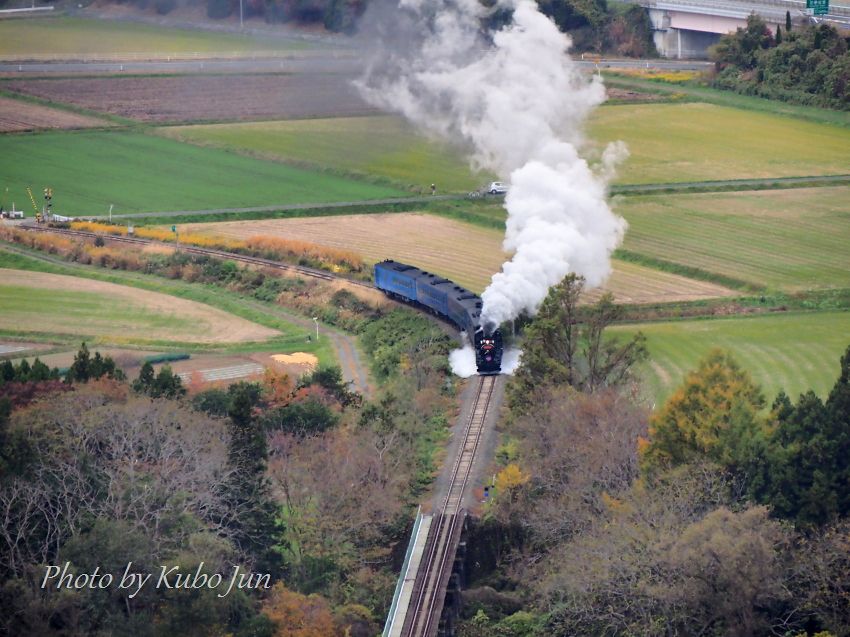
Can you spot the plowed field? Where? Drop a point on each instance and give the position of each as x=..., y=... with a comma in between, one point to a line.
x=203, y=97
x=17, y=116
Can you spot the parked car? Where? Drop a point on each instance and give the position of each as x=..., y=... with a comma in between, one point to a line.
x=497, y=188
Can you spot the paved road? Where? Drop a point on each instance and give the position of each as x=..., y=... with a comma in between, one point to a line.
x=294, y=63
x=296, y=206
x=342, y=62
x=624, y=189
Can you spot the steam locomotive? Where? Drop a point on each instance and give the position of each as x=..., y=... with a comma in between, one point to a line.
x=446, y=298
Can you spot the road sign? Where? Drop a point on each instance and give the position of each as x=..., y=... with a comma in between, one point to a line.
x=818, y=7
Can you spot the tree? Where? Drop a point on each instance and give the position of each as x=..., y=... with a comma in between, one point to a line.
x=307, y=417
x=297, y=615
x=741, y=49
x=566, y=345
x=166, y=384
x=713, y=415
x=778, y=35
x=727, y=571
x=806, y=468
x=7, y=371
x=254, y=519
x=85, y=367
x=787, y=22
x=576, y=448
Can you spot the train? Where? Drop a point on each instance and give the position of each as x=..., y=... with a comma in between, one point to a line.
x=446, y=299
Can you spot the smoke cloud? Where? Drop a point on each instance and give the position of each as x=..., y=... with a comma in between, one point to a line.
x=518, y=103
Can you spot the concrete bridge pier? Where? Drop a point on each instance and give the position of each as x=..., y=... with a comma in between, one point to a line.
x=679, y=42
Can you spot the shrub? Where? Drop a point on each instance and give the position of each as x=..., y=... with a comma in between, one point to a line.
x=165, y=6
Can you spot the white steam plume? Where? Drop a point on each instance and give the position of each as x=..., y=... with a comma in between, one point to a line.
x=519, y=102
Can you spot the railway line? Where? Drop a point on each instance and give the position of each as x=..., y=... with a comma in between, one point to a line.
x=221, y=254
x=420, y=597
x=420, y=616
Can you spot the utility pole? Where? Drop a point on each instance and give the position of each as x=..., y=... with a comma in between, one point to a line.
x=48, y=201
x=316, y=321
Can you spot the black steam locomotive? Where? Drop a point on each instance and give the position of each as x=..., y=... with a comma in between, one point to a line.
x=460, y=306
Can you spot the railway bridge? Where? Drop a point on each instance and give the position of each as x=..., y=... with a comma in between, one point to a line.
x=426, y=584
x=426, y=581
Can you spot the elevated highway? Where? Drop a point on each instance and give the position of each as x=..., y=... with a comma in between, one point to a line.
x=684, y=29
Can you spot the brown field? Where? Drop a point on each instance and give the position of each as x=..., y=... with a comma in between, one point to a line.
x=203, y=97
x=466, y=254
x=626, y=95
x=18, y=116
x=116, y=312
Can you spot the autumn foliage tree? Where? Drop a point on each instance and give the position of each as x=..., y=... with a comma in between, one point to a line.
x=297, y=615
x=713, y=415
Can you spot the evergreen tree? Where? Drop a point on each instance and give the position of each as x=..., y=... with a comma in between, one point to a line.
x=806, y=469
x=79, y=371
x=787, y=22
x=7, y=371
x=255, y=528
x=144, y=382
x=778, y=35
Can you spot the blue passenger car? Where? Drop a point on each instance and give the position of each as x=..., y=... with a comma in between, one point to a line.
x=432, y=291
x=445, y=298
x=397, y=279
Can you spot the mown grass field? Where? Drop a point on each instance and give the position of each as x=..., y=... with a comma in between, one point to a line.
x=782, y=239
x=88, y=171
x=289, y=338
x=467, y=254
x=69, y=37
x=384, y=147
x=50, y=303
x=794, y=352
x=703, y=142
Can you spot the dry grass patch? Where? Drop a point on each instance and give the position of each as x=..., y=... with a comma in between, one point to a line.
x=466, y=254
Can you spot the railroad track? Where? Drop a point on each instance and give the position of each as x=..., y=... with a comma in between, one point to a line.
x=429, y=590
x=221, y=254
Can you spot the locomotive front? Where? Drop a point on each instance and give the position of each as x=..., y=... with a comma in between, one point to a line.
x=488, y=351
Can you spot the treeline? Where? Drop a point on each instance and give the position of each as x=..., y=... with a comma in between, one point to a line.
x=299, y=479
x=594, y=25
x=713, y=515
x=807, y=65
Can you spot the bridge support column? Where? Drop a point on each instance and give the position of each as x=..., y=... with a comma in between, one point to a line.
x=678, y=43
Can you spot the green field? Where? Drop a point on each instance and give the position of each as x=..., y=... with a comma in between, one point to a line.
x=782, y=239
x=139, y=173
x=38, y=302
x=794, y=352
x=382, y=147
x=291, y=337
x=667, y=142
x=74, y=37
x=699, y=142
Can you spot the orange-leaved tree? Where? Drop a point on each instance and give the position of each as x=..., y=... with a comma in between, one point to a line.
x=297, y=615
x=715, y=414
